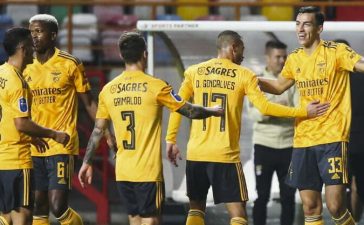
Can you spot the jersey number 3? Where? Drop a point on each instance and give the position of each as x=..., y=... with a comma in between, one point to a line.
x=129, y=115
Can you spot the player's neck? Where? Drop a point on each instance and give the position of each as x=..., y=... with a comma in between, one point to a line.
x=43, y=57
x=135, y=67
x=311, y=48
x=16, y=63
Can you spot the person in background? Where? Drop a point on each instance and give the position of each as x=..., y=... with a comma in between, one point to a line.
x=273, y=142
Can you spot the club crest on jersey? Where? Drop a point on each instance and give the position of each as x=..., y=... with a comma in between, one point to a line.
x=23, y=105
x=28, y=79
x=201, y=70
x=176, y=96
x=56, y=75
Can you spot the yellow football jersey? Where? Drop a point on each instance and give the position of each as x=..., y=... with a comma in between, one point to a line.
x=14, y=95
x=221, y=82
x=324, y=76
x=133, y=101
x=54, y=86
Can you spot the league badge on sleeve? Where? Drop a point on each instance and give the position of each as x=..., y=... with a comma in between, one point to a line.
x=176, y=96
x=23, y=104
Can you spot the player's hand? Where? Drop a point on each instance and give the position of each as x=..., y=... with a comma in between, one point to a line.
x=217, y=110
x=61, y=137
x=40, y=144
x=85, y=175
x=173, y=153
x=315, y=108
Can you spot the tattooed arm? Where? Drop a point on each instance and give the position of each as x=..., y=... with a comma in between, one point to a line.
x=198, y=112
x=93, y=142
x=85, y=173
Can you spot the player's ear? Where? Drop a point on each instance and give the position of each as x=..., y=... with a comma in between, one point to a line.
x=232, y=48
x=145, y=54
x=53, y=36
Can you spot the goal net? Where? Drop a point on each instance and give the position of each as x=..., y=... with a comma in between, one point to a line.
x=175, y=45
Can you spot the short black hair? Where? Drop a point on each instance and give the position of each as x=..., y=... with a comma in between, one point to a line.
x=13, y=37
x=132, y=46
x=319, y=16
x=225, y=37
x=274, y=44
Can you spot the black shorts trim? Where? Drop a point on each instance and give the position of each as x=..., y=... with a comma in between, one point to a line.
x=226, y=179
x=344, y=158
x=242, y=184
x=142, y=198
x=313, y=166
x=26, y=186
x=53, y=172
x=16, y=189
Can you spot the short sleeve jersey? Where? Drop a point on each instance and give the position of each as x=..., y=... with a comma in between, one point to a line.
x=323, y=76
x=14, y=99
x=133, y=101
x=54, y=86
x=221, y=82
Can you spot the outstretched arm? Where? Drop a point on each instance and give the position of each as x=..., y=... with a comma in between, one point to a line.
x=275, y=86
x=193, y=111
x=261, y=102
x=85, y=173
x=359, y=66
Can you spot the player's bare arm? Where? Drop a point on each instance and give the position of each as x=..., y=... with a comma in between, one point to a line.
x=198, y=112
x=275, y=86
x=94, y=141
x=27, y=126
x=91, y=108
x=85, y=173
x=359, y=66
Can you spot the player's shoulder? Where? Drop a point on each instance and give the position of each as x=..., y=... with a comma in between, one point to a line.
x=10, y=78
x=155, y=80
x=335, y=47
x=145, y=77
x=296, y=51
x=331, y=44
x=211, y=66
x=245, y=72
x=109, y=85
x=195, y=67
x=68, y=58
